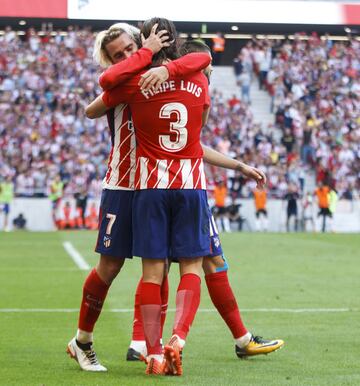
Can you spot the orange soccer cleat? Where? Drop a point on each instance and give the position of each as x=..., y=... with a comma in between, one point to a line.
x=155, y=367
x=173, y=357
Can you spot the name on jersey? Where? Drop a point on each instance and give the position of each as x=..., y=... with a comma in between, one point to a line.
x=184, y=85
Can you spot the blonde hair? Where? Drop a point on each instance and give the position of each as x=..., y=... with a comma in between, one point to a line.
x=100, y=54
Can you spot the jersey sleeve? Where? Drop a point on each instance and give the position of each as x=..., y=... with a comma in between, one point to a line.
x=122, y=71
x=118, y=94
x=207, y=103
x=188, y=64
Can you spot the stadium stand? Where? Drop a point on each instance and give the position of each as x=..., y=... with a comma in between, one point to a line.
x=313, y=87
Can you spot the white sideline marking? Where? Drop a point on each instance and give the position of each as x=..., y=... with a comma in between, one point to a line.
x=129, y=310
x=76, y=256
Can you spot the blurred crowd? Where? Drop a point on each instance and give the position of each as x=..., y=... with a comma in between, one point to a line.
x=48, y=147
x=314, y=86
x=232, y=130
x=45, y=82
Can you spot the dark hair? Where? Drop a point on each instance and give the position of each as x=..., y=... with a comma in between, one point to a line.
x=193, y=46
x=165, y=53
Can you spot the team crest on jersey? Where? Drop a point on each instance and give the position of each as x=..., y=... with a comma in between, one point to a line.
x=107, y=241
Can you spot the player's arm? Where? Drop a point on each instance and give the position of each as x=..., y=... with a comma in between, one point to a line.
x=186, y=65
x=119, y=94
x=216, y=158
x=205, y=115
x=110, y=98
x=96, y=109
x=122, y=71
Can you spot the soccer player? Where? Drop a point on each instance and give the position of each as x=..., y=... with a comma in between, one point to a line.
x=123, y=45
x=278, y=344
x=118, y=44
x=170, y=196
x=214, y=266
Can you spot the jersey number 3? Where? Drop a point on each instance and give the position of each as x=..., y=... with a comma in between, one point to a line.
x=178, y=127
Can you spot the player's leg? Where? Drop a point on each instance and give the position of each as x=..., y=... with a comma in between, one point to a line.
x=114, y=241
x=190, y=240
x=150, y=305
x=137, y=349
x=222, y=296
x=187, y=304
x=215, y=268
x=152, y=243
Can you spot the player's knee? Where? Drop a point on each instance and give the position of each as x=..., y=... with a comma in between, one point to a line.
x=109, y=267
x=215, y=264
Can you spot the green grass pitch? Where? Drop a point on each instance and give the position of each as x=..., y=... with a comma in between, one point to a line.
x=273, y=272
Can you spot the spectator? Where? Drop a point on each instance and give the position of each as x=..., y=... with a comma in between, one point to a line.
x=322, y=193
x=218, y=48
x=308, y=212
x=292, y=208
x=19, y=222
x=6, y=197
x=220, y=194
x=260, y=198
x=244, y=81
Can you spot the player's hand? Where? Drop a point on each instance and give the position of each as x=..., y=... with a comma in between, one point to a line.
x=255, y=174
x=156, y=40
x=153, y=78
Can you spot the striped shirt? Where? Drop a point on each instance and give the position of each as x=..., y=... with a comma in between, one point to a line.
x=122, y=158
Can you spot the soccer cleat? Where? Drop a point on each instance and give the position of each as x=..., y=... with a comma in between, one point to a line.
x=257, y=346
x=87, y=359
x=155, y=367
x=173, y=357
x=133, y=355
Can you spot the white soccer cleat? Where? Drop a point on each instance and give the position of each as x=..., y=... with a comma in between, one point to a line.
x=87, y=359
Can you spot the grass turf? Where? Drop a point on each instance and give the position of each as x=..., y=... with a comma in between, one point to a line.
x=266, y=271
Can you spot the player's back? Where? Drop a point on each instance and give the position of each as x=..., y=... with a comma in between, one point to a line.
x=121, y=163
x=171, y=119
x=168, y=125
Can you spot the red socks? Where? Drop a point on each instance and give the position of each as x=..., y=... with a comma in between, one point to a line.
x=138, y=331
x=187, y=303
x=224, y=300
x=150, y=307
x=164, y=292
x=94, y=294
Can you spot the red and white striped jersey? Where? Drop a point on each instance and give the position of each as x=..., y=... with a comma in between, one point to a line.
x=167, y=126
x=122, y=158
x=170, y=174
